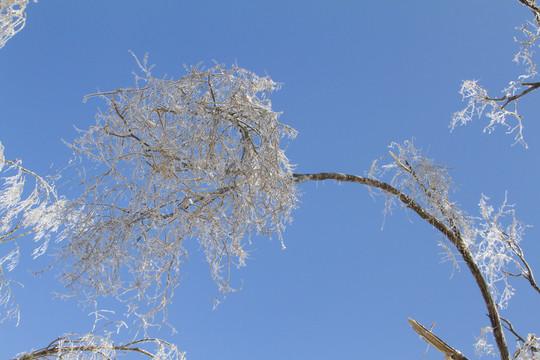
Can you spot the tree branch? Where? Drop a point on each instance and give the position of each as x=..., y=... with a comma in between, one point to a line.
x=531, y=4
x=508, y=99
x=63, y=346
x=452, y=234
x=449, y=352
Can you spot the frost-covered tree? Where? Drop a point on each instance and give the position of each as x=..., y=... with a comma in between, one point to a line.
x=196, y=158
x=202, y=159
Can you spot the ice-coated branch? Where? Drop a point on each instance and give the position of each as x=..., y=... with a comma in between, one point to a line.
x=101, y=347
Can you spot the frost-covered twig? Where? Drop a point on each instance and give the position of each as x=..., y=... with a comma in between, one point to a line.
x=12, y=18
x=24, y=211
x=482, y=346
x=529, y=350
x=531, y=4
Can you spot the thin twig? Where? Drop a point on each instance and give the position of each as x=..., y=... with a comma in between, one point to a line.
x=510, y=328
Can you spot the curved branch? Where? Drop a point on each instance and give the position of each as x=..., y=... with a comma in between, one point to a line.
x=452, y=234
x=531, y=4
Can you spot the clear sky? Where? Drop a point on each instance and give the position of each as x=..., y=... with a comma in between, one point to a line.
x=356, y=76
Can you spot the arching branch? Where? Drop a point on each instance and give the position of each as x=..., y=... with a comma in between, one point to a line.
x=451, y=234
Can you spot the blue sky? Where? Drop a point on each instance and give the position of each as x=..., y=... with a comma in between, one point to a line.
x=356, y=76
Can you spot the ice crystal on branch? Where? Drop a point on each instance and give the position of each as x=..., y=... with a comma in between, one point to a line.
x=198, y=158
x=482, y=347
